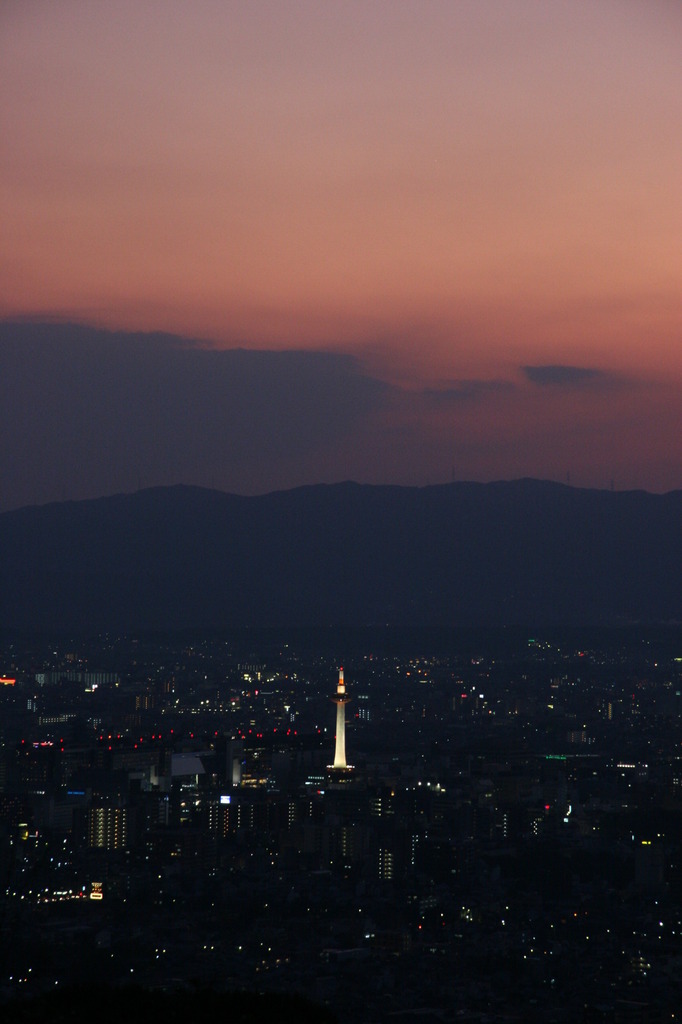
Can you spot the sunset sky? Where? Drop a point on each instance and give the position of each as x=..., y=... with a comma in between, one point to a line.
x=468, y=213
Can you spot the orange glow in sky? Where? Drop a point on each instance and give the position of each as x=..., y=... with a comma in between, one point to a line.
x=448, y=191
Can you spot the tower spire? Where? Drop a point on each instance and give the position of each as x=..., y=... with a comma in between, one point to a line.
x=340, y=699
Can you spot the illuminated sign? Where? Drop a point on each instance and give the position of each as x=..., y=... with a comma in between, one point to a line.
x=6, y=681
x=96, y=892
x=225, y=799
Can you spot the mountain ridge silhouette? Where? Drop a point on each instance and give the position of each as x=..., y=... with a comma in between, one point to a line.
x=502, y=553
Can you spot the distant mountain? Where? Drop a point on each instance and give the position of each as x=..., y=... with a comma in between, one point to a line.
x=523, y=552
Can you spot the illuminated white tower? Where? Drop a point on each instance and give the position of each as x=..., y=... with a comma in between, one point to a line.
x=340, y=699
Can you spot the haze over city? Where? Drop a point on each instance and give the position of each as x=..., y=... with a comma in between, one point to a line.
x=443, y=237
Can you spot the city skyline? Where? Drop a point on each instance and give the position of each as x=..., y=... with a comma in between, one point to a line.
x=507, y=844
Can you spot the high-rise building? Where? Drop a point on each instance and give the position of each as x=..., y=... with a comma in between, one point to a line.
x=340, y=699
x=108, y=827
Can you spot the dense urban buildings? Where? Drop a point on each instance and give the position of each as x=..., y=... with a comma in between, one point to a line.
x=507, y=847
